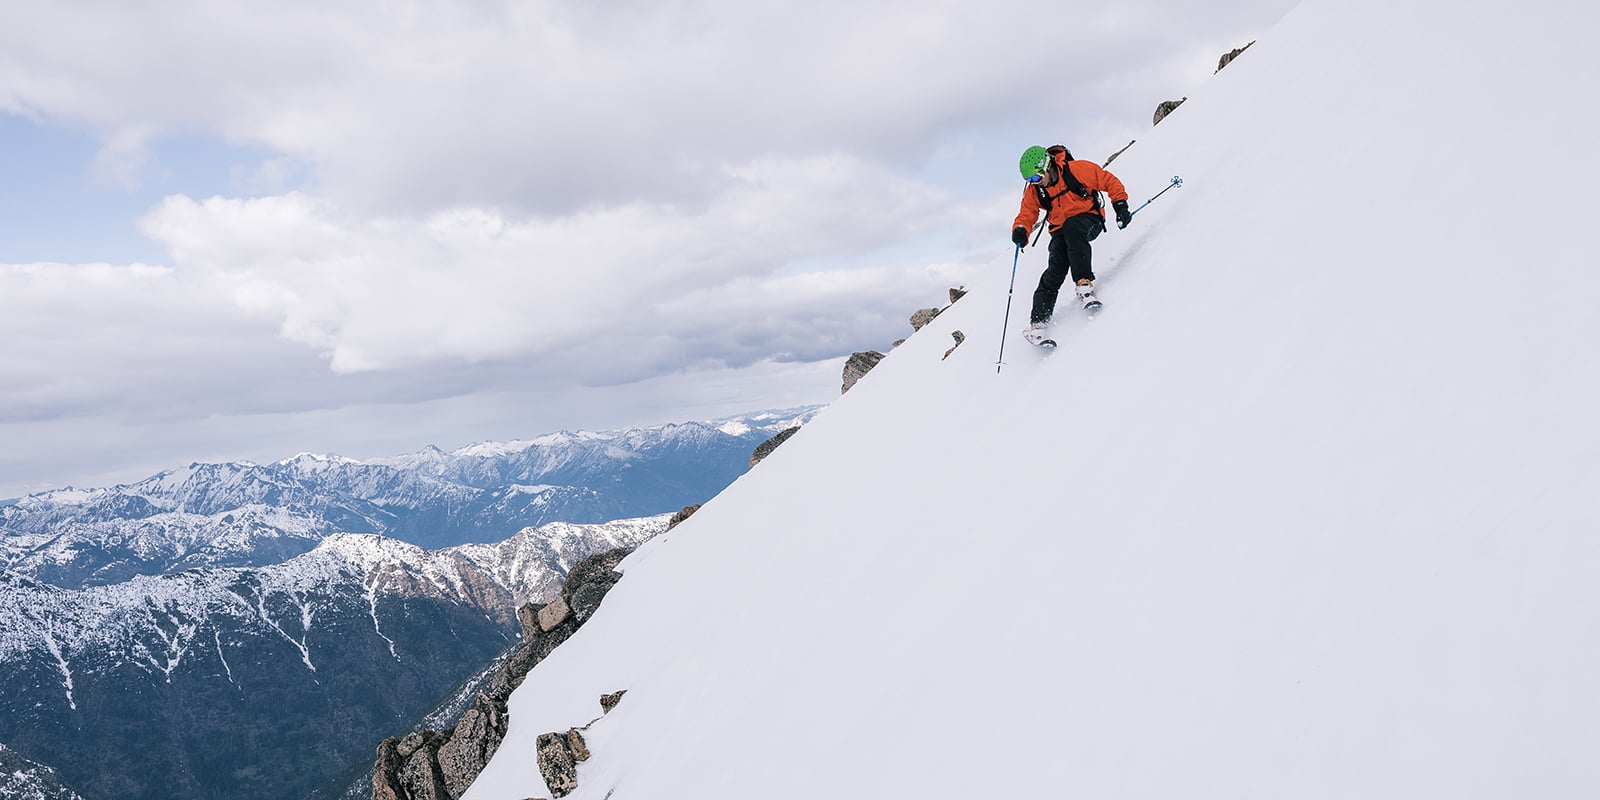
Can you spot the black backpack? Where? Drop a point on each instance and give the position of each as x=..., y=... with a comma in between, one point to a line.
x=1073, y=185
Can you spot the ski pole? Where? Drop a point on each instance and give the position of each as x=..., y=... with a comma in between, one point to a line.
x=1001, y=359
x=1176, y=182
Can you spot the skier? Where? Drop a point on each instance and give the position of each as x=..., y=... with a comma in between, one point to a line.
x=1068, y=192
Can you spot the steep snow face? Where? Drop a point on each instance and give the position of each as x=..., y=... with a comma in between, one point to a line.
x=1308, y=512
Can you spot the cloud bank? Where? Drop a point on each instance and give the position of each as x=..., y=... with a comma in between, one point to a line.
x=436, y=199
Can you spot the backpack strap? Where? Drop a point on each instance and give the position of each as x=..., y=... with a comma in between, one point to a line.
x=1073, y=184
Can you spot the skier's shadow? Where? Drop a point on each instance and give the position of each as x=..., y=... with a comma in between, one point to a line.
x=1119, y=262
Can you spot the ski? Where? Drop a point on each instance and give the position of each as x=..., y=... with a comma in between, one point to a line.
x=1038, y=339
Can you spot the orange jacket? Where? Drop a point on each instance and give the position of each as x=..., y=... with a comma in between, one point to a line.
x=1064, y=203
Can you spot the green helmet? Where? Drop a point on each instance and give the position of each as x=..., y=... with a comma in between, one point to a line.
x=1034, y=160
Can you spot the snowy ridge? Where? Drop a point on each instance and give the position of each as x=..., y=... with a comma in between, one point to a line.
x=167, y=535
x=22, y=779
x=156, y=621
x=375, y=628
x=243, y=514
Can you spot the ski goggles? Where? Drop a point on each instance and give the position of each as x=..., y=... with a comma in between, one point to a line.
x=1037, y=177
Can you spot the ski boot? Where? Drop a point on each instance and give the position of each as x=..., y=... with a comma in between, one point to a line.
x=1039, y=334
x=1086, y=299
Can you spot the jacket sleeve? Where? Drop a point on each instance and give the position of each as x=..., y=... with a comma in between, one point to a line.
x=1029, y=213
x=1108, y=183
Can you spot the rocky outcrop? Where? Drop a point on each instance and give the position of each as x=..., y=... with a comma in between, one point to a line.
x=1166, y=108
x=558, y=756
x=470, y=746
x=1113, y=156
x=859, y=364
x=1228, y=57
x=857, y=367
x=434, y=765
x=959, y=337
x=683, y=514
x=765, y=448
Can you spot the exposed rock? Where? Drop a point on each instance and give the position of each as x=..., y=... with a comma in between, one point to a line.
x=473, y=742
x=420, y=776
x=575, y=743
x=685, y=513
x=589, y=581
x=528, y=616
x=1228, y=57
x=858, y=366
x=411, y=744
x=386, y=771
x=959, y=337
x=556, y=764
x=1119, y=152
x=610, y=701
x=554, y=614
x=1167, y=108
x=765, y=448
x=429, y=765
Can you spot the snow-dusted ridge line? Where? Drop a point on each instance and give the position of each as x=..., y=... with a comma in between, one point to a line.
x=155, y=620
x=24, y=779
x=168, y=479
x=239, y=514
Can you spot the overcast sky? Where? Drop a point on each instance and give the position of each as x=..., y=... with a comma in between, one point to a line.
x=240, y=231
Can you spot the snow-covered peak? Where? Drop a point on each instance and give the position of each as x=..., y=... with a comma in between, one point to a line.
x=498, y=449
x=316, y=461
x=68, y=496
x=371, y=550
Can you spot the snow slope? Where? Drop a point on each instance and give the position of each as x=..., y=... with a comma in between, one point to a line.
x=1311, y=511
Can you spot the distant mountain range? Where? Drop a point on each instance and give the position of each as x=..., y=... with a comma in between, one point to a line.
x=253, y=631
x=264, y=682
x=244, y=514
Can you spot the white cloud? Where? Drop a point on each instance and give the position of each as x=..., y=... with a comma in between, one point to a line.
x=450, y=198
x=475, y=284
x=552, y=107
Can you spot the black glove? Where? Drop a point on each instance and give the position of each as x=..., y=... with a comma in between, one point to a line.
x=1124, y=216
x=1019, y=236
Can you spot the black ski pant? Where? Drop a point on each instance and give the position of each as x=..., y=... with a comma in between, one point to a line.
x=1069, y=252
